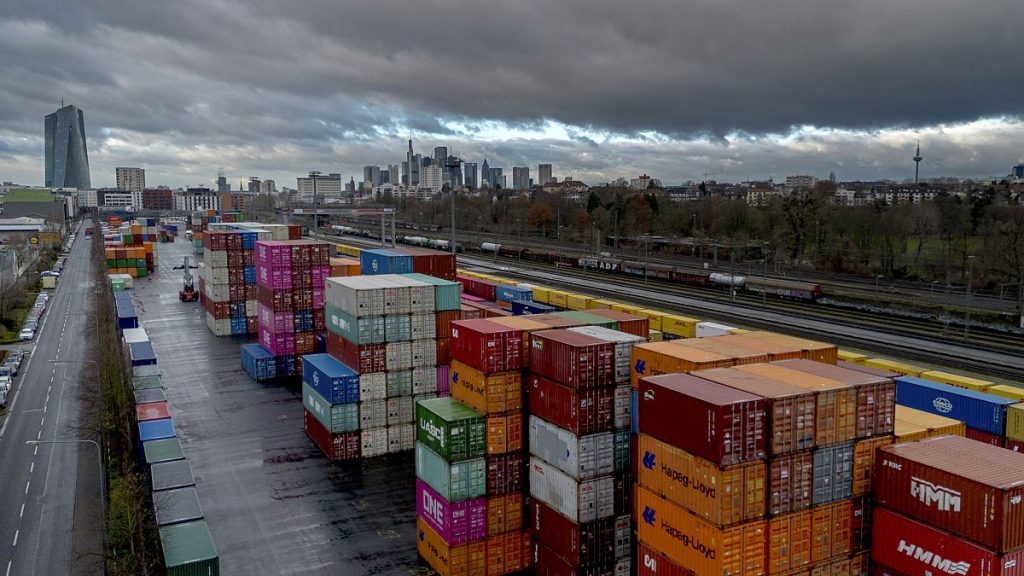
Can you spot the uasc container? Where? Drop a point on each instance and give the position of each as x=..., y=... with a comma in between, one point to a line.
x=451, y=429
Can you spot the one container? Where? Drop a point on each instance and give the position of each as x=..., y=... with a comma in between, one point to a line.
x=707, y=549
x=454, y=481
x=451, y=429
x=721, y=496
x=578, y=501
x=457, y=522
x=486, y=393
x=581, y=457
x=833, y=473
x=462, y=560
x=668, y=358
x=790, y=409
x=575, y=360
x=969, y=488
x=583, y=545
x=578, y=411
x=790, y=482
x=335, y=382
x=189, y=550
x=486, y=346
x=976, y=409
x=722, y=424
x=911, y=547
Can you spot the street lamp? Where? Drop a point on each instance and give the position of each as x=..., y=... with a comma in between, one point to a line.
x=314, y=174
x=967, y=310
x=764, y=273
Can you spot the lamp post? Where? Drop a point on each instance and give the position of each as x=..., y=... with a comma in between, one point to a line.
x=314, y=174
x=967, y=309
x=764, y=273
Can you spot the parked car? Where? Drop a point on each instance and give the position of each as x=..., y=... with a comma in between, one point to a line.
x=50, y=273
x=27, y=334
x=6, y=371
x=5, y=383
x=3, y=398
x=14, y=364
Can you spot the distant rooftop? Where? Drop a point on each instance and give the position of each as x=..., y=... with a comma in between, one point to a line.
x=29, y=195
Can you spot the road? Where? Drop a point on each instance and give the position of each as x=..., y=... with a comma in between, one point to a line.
x=49, y=506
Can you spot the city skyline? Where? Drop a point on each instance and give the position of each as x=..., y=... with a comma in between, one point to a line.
x=737, y=98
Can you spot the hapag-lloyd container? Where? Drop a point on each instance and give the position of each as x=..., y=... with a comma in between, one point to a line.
x=721, y=424
x=790, y=482
x=486, y=346
x=590, y=544
x=345, y=446
x=578, y=501
x=623, y=346
x=790, y=409
x=976, y=409
x=451, y=429
x=457, y=522
x=335, y=382
x=581, y=457
x=462, y=560
x=454, y=481
x=836, y=402
x=575, y=360
x=651, y=562
x=697, y=544
x=876, y=395
x=336, y=418
x=578, y=411
x=969, y=488
x=911, y=547
x=721, y=496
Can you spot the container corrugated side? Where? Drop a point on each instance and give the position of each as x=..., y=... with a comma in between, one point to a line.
x=504, y=513
x=334, y=417
x=790, y=482
x=976, y=409
x=468, y=559
x=495, y=393
x=590, y=544
x=579, y=411
x=582, y=457
x=651, y=562
x=579, y=501
x=364, y=330
x=451, y=429
x=456, y=523
x=864, y=463
x=454, y=481
x=668, y=358
x=189, y=550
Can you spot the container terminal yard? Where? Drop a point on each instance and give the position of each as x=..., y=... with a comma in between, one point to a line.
x=330, y=407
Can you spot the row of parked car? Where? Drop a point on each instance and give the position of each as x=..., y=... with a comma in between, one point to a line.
x=8, y=370
x=28, y=329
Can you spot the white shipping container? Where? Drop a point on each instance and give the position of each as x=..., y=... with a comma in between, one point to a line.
x=423, y=326
x=623, y=567
x=424, y=379
x=218, y=327
x=251, y=308
x=423, y=352
x=373, y=386
x=421, y=294
x=400, y=410
x=373, y=414
x=580, y=457
x=218, y=292
x=357, y=296
x=401, y=437
x=623, y=404
x=215, y=258
x=623, y=538
x=711, y=329
x=580, y=502
x=375, y=442
x=216, y=276
x=395, y=297
x=399, y=355
x=133, y=335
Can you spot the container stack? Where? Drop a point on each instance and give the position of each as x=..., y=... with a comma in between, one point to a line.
x=948, y=505
x=135, y=260
x=290, y=280
x=984, y=414
x=200, y=220
x=227, y=281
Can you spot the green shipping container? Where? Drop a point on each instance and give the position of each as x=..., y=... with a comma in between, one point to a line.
x=140, y=262
x=112, y=263
x=588, y=319
x=147, y=382
x=334, y=417
x=397, y=328
x=453, y=481
x=621, y=449
x=399, y=383
x=1015, y=422
x=141, y=272
x=447, y=294
x=451, y=429
x=189, y=550
x=163, y=450
x=368, y=330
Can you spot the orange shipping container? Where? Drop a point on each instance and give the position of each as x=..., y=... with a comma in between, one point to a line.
x=864, y=461
x=504, y=513
x=508, y=553
x=736, y=350
x=789, y=542
x=468, y=559
x=344, y=267
x=831, y=536
x=505, y=433
x=667, y=358
x=696, y=544
x=811, y=349
x=720, y=496
x=774, y=350
x=488, y=394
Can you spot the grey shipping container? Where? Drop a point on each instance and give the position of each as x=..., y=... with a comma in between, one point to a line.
x=334, y=417
x=400, y=383
x=454, y=481
x=581, y=457
x=373, y=414
x=176, y=506
x=171, y=475
x=400, y=410
x=833, y=473
x=578, y=501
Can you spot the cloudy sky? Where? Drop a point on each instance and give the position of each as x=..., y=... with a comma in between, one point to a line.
x=736, y=89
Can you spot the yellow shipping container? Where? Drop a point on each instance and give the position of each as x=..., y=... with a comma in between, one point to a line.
x=935, y=425
x=740, y=331
x=852, y=357
x=577, y=301
x=600, y=303
x=468, y=559
x=627, y=308
x=541, y=295
x=653, y=316
x=558, y=298
x=679, y=326
x=1015, y=422
x=345, y=250
x=655, y=336
x=957, y=380
x=895, y=366
x=1007, y=391
x=909, y=432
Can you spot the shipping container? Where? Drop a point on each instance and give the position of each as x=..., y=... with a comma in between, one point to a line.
x=335, y=382
x=508, y=553
x=790, y=410
x=740, y=550
x=171, y=475
x=527, y=326
x=850, y=356
x=469, y=559
x=486, y=346
x=495, y=393
x=373, y=441
x=623, y=347
x=401, y=410
x=721, y=496
x=358, y=296
x=668, y=358
x=505, y=433
x=712, y=329
x=957, y=380
x=790, y=482
x=257, y=362
x=578, y=411
x=451, y=429
x=188, y=550
x=912, y=548
x=976, y=409
x=505, y=473
x=156, y=429
x=142, y=353
x=575, y=360
x=985, y=437
x=971, y=489
x=546, y=562
x=456, y=523
x=864, y=463
x=342, y=446
x=149, y=395
x=833, y=473
x=789, y=542
x=581, y=457
x=504, y=513
x=401, y=437
x=651, y=562
x=622, y=414
x=578, y=501
x=894, y=366
x=163, y=450
x=738, y=352
x=722, y=424
x=176, y=506
x=590, y=544
x=810, y=349
x=930, y=424
x=454, y=481
x=625, y=322
x=1015, y=422
x=151, y=411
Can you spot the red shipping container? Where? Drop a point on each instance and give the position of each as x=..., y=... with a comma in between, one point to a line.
x=717, y=423
x=914, y=548
x=504, y=473
x=151, y=411
x=651, y=562
x=443, y=322
x=628, y=323
x=578, y=411
x=444, y=351
x=363, y=359
x=548, y=563
x=276, y=300
x=971, y=489
x=486, y=346
x=1014, y=445
x=344, y=446
x=860, y=524
x=580, y=545
x=305, y=343
x=984, y=437
x=572, y=359
x=555, y=321
x=790, y=483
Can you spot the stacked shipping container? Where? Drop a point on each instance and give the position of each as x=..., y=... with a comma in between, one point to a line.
x=227, y=282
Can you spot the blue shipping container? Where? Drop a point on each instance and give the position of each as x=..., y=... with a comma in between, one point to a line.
x=142, y=353
x=976, y=409
x=258, y=363
x=514, y=294
x=634, y=412
x=321, y=343
x=379, y=261
x=249, y=275
x=528, y=307
x=156, y=429
x=337, y=383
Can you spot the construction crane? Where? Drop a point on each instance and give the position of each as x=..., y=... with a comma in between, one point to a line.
x=188, y=292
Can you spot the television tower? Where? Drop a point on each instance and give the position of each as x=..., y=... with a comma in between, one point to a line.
x=917, y=162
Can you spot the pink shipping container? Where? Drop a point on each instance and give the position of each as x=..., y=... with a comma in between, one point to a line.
x=486, y=346
x=280, y=322
x=278, y=344
x=578, y=411
x=572, y=359
x=456, y=522
x=443, y=382
x=717, y=423
x=273, y=253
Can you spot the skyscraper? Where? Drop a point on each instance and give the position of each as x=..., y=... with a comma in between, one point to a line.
x=520, y=177
x=485, y=175
x=496, y=178
x=133, y=180
x=470, y=172
x=543, y=174
x=440, y=155
x=67, y=158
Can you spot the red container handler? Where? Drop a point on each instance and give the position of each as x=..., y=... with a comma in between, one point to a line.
x=912, y=548
x=363, y=359
x=717, y=423
x=973, y=490
x=344, y=446
x=486, y=346
x=575, y=360
x=651, y=562
x=578, y=411
x=580, y=545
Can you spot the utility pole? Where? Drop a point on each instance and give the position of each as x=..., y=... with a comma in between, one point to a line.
x=316, y=220
x=967, y=309
x=764, y=273
x=732, y=274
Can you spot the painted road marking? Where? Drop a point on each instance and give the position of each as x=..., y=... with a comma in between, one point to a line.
x=22, y=513
x=16, y=532
x=27, y=484
x=32, y=467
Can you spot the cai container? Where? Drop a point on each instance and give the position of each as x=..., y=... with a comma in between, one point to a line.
x=454, y=481
x=578, y=501
x=581, y=457
x=451, y=429
x=976, y=409
x=456, y=523
x=486, y=346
